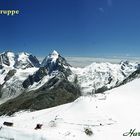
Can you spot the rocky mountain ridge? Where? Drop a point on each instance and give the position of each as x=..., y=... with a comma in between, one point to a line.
x=27, y=84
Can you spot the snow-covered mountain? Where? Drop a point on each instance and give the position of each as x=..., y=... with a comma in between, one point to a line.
x=25, y=86
x=105, y=116
x=19, y=71
x=11, y=62
x=53, y=65
x=14, y=69
x=20, y=61
x=56, y=63
x=23, y=78
x=98, y=77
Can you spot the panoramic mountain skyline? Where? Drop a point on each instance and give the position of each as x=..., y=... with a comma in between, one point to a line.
x=71, y=68
x=73, y=28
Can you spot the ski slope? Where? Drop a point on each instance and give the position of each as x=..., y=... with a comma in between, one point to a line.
x=108, y=115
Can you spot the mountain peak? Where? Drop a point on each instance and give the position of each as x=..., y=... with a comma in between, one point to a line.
x=54, y=56
x=20, y=60
x=24, y=53
x=55, y=62
x=26, y=60
x=55, y=52
x=7, y=58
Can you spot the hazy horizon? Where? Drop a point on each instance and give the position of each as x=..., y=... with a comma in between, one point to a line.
x=79, y=61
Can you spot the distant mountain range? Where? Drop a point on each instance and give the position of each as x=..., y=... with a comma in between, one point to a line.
x=27, y=84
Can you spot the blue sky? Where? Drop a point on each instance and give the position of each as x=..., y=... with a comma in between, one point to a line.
x=72, y=27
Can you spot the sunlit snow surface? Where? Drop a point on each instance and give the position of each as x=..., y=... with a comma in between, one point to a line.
x=97, y=75
x=108, y=115
x=13, y=87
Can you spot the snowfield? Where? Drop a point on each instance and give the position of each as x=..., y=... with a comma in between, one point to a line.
x=13, y=87
x=107, y=115
x=98, y=75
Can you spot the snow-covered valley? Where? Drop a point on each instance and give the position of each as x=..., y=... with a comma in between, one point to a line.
x=108, y=116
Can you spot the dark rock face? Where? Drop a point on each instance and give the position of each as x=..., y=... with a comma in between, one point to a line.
x=20, y=64
x=7, y=57
x=0, y=90
x=1, y=63
x=133, y=76
x=62, y=92
x=10, y=74
x=138, y=67
x=31, y=62
x=1, y=66
x=101, y=90
x=60, y=65
x=4, y=59
x=35, y=77
x=49, y=67
x=125, y=64
x=56, y=91
x=34, y=60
